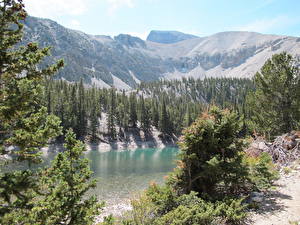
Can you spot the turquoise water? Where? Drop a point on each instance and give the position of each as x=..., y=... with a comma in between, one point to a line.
x=121, y=174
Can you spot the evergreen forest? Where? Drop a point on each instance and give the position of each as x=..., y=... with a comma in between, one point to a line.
x=167, y=106
x=215, y=118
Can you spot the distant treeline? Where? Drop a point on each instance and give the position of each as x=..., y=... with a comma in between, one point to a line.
x=167, y=105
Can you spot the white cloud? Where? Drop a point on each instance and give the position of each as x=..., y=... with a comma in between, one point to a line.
x=53, y=8
x=265, y=25
x=114, y=5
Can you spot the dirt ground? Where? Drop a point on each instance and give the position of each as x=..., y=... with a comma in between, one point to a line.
x=281, y=205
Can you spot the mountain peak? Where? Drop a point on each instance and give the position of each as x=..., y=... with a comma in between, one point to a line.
x=130, y=41
x=126, y=60
x=168, y=37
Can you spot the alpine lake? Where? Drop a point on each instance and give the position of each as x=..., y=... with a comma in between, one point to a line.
x=123, y=174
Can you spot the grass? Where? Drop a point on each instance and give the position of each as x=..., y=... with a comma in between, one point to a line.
x=295, y=222
x=287, y=170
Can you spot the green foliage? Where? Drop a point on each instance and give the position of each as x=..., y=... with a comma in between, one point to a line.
x=143, y=211
x=194, y=214
x=108, y=220
x=184, y=209
x=210, y=158
x=132, y=110
x=23, y=120
x=163, y=198
x=25, y=126
x=275, y=105
x=189, y=209
x=169, y=106
x=212, y=176
x=111, y=117
x=232, y=211
x=17, y=189
x=287, y=170
x=64, y=184
x=205, y=188
x=164, y=124
x=46, y=196
x=56, y=196
x=144, y=115
x=262, y=171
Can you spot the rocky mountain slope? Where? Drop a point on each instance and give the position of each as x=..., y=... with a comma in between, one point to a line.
x=168, y=37
x=124, y=61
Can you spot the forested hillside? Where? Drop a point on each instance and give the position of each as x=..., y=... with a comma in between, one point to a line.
x=168, y=106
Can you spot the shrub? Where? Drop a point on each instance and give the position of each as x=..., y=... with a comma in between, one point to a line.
x=184, y=209
x=143, y=211
x=210, y=160
x=262, y=171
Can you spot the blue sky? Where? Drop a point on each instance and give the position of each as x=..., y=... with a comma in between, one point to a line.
x=199, y=17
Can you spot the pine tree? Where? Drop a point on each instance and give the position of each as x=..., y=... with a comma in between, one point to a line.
x=82, y=121
x=187, y=118
x=164, y=124
x=25, y=124
x=94, y=124
x=275, y=103
x=74, y=110
x=124, y=111
x=154, y=114
x=111, y=116
x=26, y=127
x=210, y=159
x=132, y=110
x=24, y=121
x=144, y=115
x=94, y=115
x=64, y=184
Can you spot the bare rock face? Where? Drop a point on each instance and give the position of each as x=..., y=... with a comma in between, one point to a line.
x=168, y=37
x=124, y=61
x=130, y=41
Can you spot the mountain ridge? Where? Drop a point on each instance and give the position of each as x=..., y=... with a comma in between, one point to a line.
x=168, y=37
x=124, y=60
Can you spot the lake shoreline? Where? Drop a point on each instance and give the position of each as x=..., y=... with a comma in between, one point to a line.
x=120, y=145
x=133, y=141
x=113, y=146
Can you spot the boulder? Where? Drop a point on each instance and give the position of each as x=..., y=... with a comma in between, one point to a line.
x=257, y=197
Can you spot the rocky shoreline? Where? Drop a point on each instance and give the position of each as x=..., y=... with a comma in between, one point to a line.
x=133, y=143
x=134, y=140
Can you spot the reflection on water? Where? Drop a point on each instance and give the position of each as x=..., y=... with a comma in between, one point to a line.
x=123, y=173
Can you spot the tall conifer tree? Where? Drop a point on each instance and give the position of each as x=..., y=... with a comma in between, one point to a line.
x=275, y=103
x=26, y=127
x=111, y=116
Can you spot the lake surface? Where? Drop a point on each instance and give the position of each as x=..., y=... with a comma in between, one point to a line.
x=121, y=174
